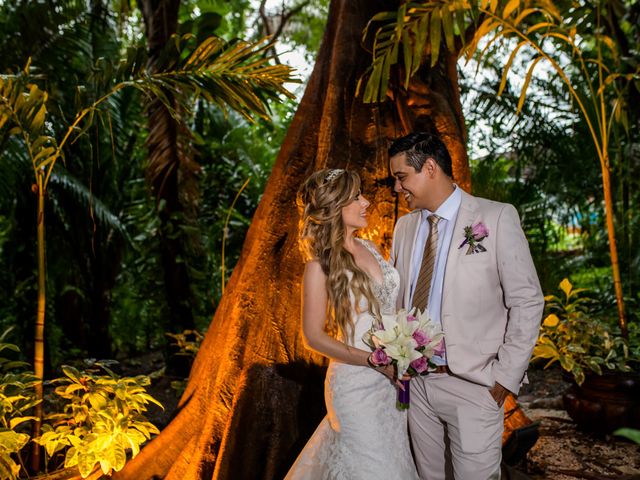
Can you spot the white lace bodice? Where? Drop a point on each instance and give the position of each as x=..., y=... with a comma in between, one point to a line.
x=385, y=292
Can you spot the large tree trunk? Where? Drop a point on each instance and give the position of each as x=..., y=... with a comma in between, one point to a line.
x=255, y=392
x=170, y=172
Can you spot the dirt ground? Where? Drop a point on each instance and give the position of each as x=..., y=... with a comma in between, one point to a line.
x=563, y=452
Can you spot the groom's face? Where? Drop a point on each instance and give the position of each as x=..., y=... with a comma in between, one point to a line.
x=414, y=186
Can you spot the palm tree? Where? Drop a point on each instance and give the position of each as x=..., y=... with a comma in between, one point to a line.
x=85, y=31
x=171, y=172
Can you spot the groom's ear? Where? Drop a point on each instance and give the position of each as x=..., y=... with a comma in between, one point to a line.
x=429, y=167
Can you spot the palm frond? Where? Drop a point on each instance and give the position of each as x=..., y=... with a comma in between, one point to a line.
x=63, y=184
x=438, y=21
x=16, y=172
x=233, y=75
x=22, y=114
x=29, y=28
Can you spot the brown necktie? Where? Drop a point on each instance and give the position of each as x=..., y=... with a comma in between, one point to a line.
x=423, y=284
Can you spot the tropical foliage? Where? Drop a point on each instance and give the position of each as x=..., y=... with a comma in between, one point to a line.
x=226, y=74
x=102, y=418
x=17, y=398
x=187, y=343
x=99, y=201
x=233, y=75
x=580, y=340
x=94, y=419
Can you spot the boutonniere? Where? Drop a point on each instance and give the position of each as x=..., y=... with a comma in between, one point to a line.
x=473, y=235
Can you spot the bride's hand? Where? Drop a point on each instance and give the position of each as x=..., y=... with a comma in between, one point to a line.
x=390, y=372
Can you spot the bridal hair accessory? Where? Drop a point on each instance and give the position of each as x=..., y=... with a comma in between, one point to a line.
x=333, y=174
x=473, y=235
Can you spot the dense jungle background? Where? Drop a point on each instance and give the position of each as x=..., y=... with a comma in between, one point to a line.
x=138, y=138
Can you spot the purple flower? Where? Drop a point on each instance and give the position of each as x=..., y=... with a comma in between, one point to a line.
x=479, y=231
x=439, y=349
x=421, y=338
x=411, y=318
x=420, y=365
x=379, y=357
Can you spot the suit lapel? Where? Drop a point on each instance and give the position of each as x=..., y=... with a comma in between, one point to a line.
x=408, y=249
x=467, y=214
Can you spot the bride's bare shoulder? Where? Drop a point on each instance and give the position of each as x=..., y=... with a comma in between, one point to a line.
x=313, y=268
x=313, y=279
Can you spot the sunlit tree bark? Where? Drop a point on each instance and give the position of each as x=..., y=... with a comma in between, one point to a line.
x=255, y=393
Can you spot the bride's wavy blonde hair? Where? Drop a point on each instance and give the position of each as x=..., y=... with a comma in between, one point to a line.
x=322, y=236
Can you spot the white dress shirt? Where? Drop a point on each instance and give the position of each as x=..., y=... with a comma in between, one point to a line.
x=448, y=212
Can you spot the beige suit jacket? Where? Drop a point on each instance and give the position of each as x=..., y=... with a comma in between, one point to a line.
x=492, y=302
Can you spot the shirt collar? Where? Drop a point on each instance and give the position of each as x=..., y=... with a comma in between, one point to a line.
x=448, y=208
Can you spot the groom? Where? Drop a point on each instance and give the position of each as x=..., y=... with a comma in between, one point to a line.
x=466, y=260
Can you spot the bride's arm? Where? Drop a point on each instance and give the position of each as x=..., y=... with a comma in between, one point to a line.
x=314, y=308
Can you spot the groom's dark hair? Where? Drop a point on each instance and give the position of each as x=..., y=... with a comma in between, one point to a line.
x=419, y=146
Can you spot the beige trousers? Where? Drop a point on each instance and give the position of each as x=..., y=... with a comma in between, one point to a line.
x=456, y=429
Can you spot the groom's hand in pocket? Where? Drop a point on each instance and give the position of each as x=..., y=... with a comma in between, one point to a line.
x=499, y=393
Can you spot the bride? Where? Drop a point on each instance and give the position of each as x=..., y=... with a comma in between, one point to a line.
x=346, y=285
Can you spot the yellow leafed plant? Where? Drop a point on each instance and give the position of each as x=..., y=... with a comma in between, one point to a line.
x=580, y=340
x=103, y=418
x=17, y=398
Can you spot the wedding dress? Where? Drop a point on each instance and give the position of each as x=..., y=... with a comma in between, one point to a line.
x=363, y=435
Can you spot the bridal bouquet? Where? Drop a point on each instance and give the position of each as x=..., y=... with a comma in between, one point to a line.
x=408, y=341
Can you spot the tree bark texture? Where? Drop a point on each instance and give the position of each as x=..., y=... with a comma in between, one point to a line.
x=171, y=174
x=255, y=393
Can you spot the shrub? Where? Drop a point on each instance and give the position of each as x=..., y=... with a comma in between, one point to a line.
x=17, y=397
x=581, y=341
x=102, y=418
